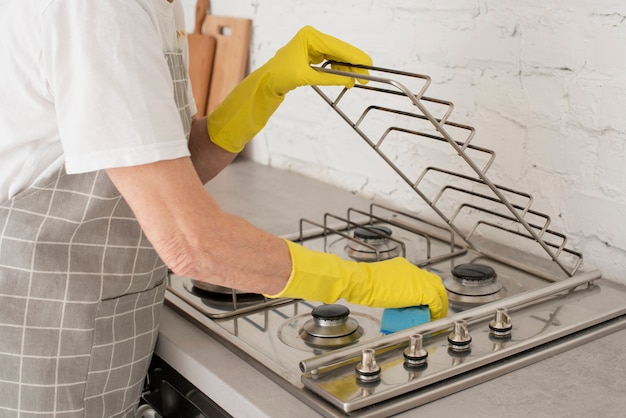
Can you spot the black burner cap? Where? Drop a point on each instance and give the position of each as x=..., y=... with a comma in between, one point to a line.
x=330, y=312
x=473, y=271
x=374, y=232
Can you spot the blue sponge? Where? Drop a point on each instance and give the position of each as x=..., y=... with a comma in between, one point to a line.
x=397, y=319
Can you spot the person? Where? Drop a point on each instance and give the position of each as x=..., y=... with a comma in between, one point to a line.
x=102, y=167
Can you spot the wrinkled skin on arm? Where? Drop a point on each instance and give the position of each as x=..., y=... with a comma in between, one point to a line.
x=191, y=233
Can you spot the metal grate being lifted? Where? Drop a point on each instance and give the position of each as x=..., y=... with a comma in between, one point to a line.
x=391, y=118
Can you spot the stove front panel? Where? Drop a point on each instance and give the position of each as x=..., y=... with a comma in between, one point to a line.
x=537, y=310
x=533, y=325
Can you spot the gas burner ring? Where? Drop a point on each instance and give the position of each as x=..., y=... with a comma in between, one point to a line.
x=473, y=279
x=292, y=331
x=331, y=327
x=372, y=233
x=372, y=243
x=221, y=298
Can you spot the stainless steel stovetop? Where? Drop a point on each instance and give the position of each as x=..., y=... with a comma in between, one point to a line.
x=517, y=291
x=542, y=315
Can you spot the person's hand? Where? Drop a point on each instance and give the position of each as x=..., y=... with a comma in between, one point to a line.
x=394, y=283
x=246, y=109
x=291, y=66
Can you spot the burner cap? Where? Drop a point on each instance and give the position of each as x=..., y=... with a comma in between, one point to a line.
x=372, y=243
x=474, y=272
x=331, y=327
x=332, y=312
x=473, y=279
x=373, y=232
x=222, y=298
x=216, y=297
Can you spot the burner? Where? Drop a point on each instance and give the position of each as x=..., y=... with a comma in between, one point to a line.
x=474, y=283
x=331, y=327
x=372, y=244
x=292, y=332
x=222, y=298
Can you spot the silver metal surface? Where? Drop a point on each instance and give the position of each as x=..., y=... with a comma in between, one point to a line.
x=415, y=354
x=331, y=327
x=368, y=369
x=234, y=304
x=501, y=325
x=459, y=339
x=270, y=337
x=399, y=338
x=373, y=244
x=473, y=280
x=538, y=302
x=422, y=118
x=540, y=323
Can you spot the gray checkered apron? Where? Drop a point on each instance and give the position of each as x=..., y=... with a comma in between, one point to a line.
x=80, y=295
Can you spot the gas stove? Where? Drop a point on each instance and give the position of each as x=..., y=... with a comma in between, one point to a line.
x=517, y=291
x=336, y=358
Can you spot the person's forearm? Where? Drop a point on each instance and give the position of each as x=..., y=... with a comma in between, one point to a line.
x=208, y=159
x=193, y=236
x=196, y=239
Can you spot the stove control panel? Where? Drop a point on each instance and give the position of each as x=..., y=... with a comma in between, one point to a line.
x=358, y=376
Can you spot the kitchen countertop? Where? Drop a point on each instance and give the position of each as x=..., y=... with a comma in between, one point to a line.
x=587, y=381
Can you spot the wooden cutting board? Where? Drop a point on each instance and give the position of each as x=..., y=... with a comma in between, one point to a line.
x=230, y=63
x=201, y=57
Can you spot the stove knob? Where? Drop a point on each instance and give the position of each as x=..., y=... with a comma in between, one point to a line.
x=460, y=338
x=415, y=355
x=368, y=369
x=501, y=325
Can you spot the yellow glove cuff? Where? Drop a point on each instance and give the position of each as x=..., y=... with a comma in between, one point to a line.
x=315, y=275
x=243, y=113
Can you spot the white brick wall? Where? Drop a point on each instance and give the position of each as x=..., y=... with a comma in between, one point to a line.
x=543, y=82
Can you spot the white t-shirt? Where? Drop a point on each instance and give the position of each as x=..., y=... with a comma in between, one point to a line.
x=86, y=83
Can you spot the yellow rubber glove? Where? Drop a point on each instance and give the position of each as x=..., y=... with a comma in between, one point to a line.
x=247, y=108
x=394, y=283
